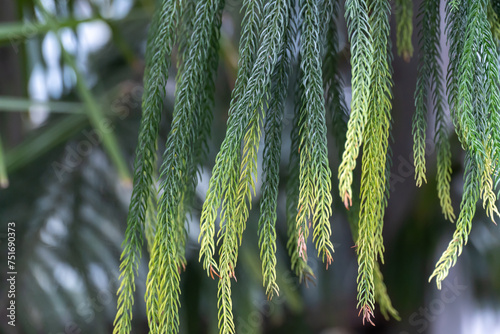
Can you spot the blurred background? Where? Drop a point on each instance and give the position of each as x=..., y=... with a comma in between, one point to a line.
x=70, y=96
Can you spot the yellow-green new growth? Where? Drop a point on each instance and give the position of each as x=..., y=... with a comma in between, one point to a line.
x=373, y=175
x=357, y=17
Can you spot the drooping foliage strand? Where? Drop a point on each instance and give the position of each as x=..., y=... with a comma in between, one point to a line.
x=314, y=204
x=373, y=174
x=478, y=98
x=464, y=221
x=277, y=35
x=473, y=92
x=382, y=297
x=404, y=28
x=357, y=17
x=163, y=289
x=430, y=88
x=271, y=163
x=297, y=255
x=144, y=195
x=381, y=294
x=234, y=206
x=335, y=103
x=219, y=180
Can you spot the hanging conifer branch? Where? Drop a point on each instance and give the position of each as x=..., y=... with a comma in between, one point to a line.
x=361, y=62
x=335, y=104
x=298, y=256
x=162, y=296
x=474, y=109
x=464, y=222
x=404, y=28
x=203, y=122
x=373, y=182
x=144, y=194
x=314, y=197
x=381, y=294
x=255, y=91
x=382, y=297
x=427, y=42
x=219, y=180
x=271, y=163
x=429, y=83
x=277, y=35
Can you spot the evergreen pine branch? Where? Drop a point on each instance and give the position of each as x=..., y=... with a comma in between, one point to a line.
x=469, y=133
x=315, y=199
x=271, y=164
x=471, y=83
x=373, y=175
x=382, y=297
x=455, y=24
x=356, y=13
x=464, y=221
x=381, y=294
x=248, y=169
x=162, y=293
x=380, y=103
x=429, y=43
x=441, y=137
x=404, y=28
x=335, y=103
x=298, y=255
x=234, y=213
x=185, y=29
x=478, y=94
x=219, y=181
x=484, y=103
x=430, y=79
x=160, y=42
x=267, y=222
x=203, y=108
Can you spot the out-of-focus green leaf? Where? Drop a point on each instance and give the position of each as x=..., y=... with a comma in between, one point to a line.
x=40, y=143
x=4, y=181
x=23, y=104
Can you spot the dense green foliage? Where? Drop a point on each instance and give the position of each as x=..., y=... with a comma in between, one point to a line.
x=277, y=36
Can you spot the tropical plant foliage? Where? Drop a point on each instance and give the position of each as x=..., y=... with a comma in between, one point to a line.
x=278, y=36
